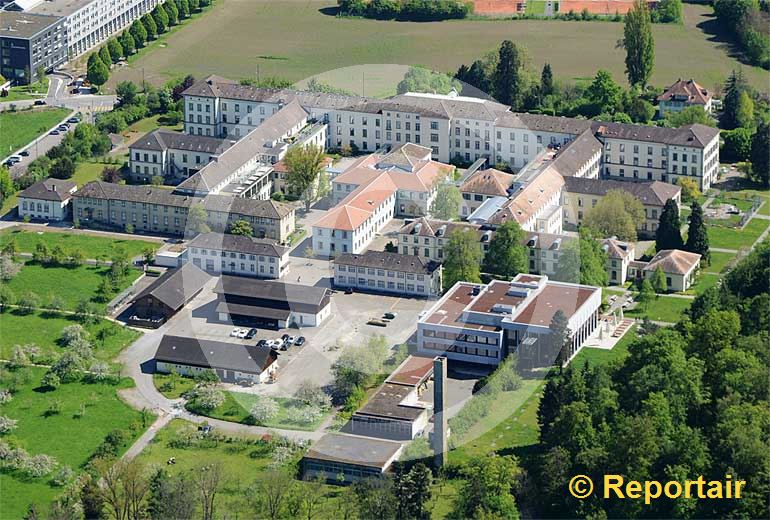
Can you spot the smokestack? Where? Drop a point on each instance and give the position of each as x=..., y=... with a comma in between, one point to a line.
x=439, y=412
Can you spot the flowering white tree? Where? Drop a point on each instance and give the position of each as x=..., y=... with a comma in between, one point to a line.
x=72, y=333
x=264, y=409
x=39, y=465
x=7, y=424
x=99, y=370
x=5, y=396
x=312, y=394
x=207, y=398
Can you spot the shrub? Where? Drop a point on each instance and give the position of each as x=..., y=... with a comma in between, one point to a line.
x=39, y=465
x=206, y=398
x=264, y=409
x=7, y=424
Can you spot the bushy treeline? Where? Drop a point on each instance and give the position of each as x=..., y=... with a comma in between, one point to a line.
x=418, y=10
x=747, y=20
x=686, y=401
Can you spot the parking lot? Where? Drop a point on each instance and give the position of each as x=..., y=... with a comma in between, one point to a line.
x=346, y=326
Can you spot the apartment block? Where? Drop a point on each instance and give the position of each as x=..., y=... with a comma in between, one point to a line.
x=238, y=255
x=384, y=272
x=29, y=41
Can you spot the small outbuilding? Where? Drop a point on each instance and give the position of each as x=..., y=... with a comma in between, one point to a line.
x=166, y=296
x=47, y=200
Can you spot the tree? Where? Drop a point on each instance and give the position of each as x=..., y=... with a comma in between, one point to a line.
x=241, y=227
x=197, y=220
x=658, y=281
x=639, y=44
x=358, y=365
x=115, y=49
x=507, y=255
x=304, y=164
x=669, y=11
x=139, y=33
x=375, y=498
x=734, y=87
x=603, y=93
x=420, y=79
x=172, y=12
x=462, y=258
x=486, y=488
x=760, y=156
x=150, y=26
x=689, y=116
x=690, y=190
x=105, y=56
x=207, y=481
x=508, y=81
x=583, y=261
x=171, y=498
x=112, y=174
x=127, y=92
x=128, y=43
x=669, y=235
x=546, y=81
x=263, y=409
x=618, y=214
x=97, y=72
x=640, y=110
x=446, y=205
x=269, y=492
x=184, y=9
x=161, y=18
x=7, y=297
x=697, y=234
x=6, y=184
x=744, y=111
x=737, y=145
x=646, y=294
x=411, y=487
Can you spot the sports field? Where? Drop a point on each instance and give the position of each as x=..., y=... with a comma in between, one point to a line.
x=296, y=39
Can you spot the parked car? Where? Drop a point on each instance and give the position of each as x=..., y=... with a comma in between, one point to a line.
x=24, y=153
x=39, y=102
x=73, y=120
x=8, y=163
x=15, y=158
x=262, y=343
x=285, y=337
x=205, y=429
x=63, y=128
x=348, y=290
x=291, y=340
x=234, y=333
x=389, y=315
x=53, y=132
x=243, y=333
x=300, y=341
x=252, y=332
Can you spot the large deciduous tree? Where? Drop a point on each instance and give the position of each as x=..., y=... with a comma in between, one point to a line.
x=446, y=204
x=618, y=214
x=305, y=165
x=462, y=258
x=639, y=44
x=507, y=254
x=583, y=261
x=760, y=156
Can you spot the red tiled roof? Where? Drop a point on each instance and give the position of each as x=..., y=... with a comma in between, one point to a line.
x=687, y=90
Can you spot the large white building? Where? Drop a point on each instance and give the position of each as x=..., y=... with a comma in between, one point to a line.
x=87, y=23
x=468, y=129
x=239, y=255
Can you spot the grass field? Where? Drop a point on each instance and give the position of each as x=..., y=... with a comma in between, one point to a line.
x=93, y=246
x=704, y=281
x=44, y=330
x=725, y=238
x=70, y=284
x=719, y=262
x=18, y=129
x=598, y=356
x=663, y=308
x=172, y=386
x=36, y=90
x=67, y=436
x=237, y=405
x=223, y=42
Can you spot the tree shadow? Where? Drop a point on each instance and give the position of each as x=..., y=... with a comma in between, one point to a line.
x=718, y=34
x=332, y=10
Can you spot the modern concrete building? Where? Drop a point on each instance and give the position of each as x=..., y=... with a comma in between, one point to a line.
x=157, y=210
x=482, y=324
x=28, y=42
x=683, y=94
x=47, y=200
x=238, y=255
x=351, y=457
x=232, y=362
x=271, y=304
x=680, y=268
x=384, y=272
x=580, y=195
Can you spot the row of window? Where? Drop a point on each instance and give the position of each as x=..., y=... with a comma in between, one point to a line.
x=380, y=272
x=459, y=349
x=460, y=336
x=379, y=284
x=225, y=254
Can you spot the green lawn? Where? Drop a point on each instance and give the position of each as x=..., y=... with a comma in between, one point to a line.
x=598, y=356
x=242, y=460
x=67, y=436
x=70, y=284
x=172, y=386
x=703, y=282
x=726, y=238
x=332, y=43
x=663, y=308
x=44, y=330
x=92, y=170
x=36, y=90
x=18, y=129
x=93, y=246
x=719, y=262
x=511, y=422
x=237, y=405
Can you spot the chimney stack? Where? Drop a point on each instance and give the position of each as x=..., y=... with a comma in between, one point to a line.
x=439, y=443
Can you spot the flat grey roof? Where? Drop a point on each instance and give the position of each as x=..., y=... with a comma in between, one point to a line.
x=24, y=25
x=352, y=449
x=60, y=7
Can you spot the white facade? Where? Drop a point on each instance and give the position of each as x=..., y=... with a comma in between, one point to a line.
x=235, y=375
x=388, y=280
x=51, y=210
x=235, y=263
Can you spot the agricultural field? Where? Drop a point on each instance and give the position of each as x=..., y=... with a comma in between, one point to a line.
x=18, y=129
x=44, y=330
x=94, y=246
x=330, y=43
x=87, y=412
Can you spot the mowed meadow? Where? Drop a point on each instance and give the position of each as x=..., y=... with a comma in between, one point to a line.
x=296, y=39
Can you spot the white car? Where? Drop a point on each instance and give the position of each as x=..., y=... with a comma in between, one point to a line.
x=242, y=333
x=613, y=298
x=234, y=333
x=291, y=339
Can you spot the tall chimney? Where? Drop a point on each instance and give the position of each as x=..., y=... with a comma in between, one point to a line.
x=439, y=412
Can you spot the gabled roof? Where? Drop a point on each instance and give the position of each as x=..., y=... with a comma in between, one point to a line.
x=694, y=136
x=617, y=248
x=49, y=189
x=542, y=123
x=488, y=182
x=391, y=261
x=688, y=91
x=161, y=140
x=674, y=261
x=176, y=286
x=215, y=354
x=281, y=295
x=238, y=244
x=535, y=196
x=654, y=193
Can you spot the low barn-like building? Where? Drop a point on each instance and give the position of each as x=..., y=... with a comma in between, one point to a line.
x=231, y=362
x=166, y=296
x=351, y=456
